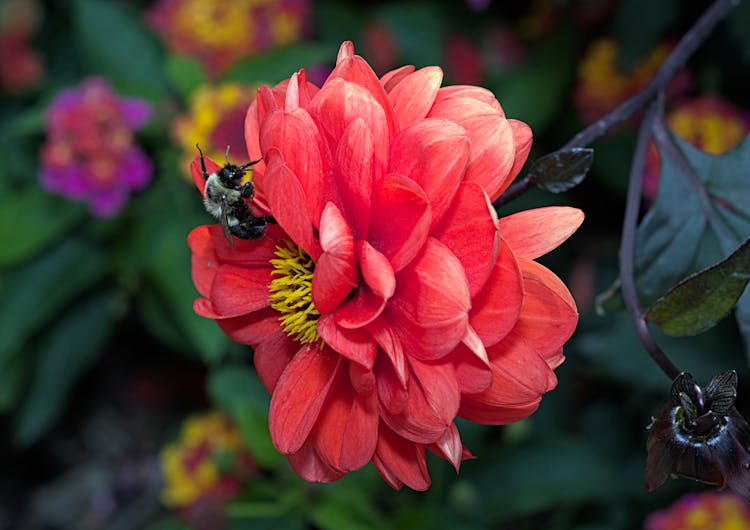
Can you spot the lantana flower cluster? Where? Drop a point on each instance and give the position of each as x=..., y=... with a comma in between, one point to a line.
x=90, y=152
x=702, y=511
x=207, y=461
x=602, y=84
x=220, y=33
x=215, y=120
x=387, y=299
x=710, y=123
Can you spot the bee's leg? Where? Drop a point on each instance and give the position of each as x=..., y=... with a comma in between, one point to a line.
x=247, y=190
x=203, y=164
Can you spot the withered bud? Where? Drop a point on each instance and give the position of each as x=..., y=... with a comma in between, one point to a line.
x=700, y=435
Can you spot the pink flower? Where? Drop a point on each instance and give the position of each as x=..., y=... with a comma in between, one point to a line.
x=389, y=299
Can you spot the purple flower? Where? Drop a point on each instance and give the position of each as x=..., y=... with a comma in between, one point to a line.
x=90, y=153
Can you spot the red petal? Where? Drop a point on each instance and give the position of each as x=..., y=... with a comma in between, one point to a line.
x=432, y=400
x=434, y=154
x=449, y=446
x=401, y=462
x=353, y=344
x=346, y=433
x=307, y=464
x=376, y=270
x=522, y=137
x=197, y=172
x=204, y=262
x=492, y=141
x=251, y=328
x=533, y=233
x=414, y=95
x=339, y=103
x=272, y=356
x=335, y=271
x=297, y=139
x=497, y=307
x=394, y=77
x=400, y=219
x=246, y=252
x=299, y=396
x=384, y=334
x=469, y=230
x=472, y=373
x=359, y=310
x=288, y=204
x=355, y=170
x=450, y=95
x=431, y=302
x=549, y=315
x=239, y=290
x=355, y=69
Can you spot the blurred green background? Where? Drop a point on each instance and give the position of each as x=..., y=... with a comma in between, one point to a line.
x=102, y=357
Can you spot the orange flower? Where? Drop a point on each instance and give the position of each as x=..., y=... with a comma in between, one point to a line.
x=388, y=299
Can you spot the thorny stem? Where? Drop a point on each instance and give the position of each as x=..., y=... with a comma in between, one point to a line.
x=676, y=60
x=627, y=247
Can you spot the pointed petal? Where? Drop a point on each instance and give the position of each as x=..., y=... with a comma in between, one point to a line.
x=341, y=102
x=353, y=344
x=495, y=310
x=449, y=446
x=469, y=230
x=355, y=170
x=549, y=315
x=272, y=356
x=346, y=433
x=533, y=233
x=401, y=462
x=400, y=219
x=239, y=290
x=390, y=79
x=376, y=270
x=414, y=95
x=522, y=138
x=204, y=262
x=492, y=141
x=449, y=95
x=307, y=464
x=431, y=303
x=434, y=154
x=251, y=328
x=431, y=404
x=295, y=135
x=384, y=334
x=299, y=396
x=359, y=310
x=288, y=203
x=335, y=270
x=473, y=375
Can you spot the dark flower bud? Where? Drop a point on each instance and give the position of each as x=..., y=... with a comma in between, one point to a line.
x=700, y=435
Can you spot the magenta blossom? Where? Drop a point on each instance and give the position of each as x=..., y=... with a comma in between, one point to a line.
x=90, y=153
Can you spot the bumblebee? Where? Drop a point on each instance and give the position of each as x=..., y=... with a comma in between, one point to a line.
x=224, y=197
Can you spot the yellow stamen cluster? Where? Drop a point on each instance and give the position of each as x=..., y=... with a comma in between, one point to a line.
x=291, y=293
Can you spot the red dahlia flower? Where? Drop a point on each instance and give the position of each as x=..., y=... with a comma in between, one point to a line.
x=388, y=299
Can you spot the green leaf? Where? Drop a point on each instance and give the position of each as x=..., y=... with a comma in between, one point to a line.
x=281, y=63
x=562, y=170
x=37, y=292
x=14, y=374
x=347, y=507
x=698, y=302
x=697, y=219
x=66, y=351
x=237, y=390
x=25, y=224
x=186, y=73
x=114, y=42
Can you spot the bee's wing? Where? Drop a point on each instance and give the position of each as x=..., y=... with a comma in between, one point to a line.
x=225, y=220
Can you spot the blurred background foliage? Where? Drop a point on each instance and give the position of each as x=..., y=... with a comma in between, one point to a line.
x=102, y=357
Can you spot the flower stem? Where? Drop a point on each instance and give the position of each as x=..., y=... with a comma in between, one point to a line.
x=627, y=247
x=674, y=62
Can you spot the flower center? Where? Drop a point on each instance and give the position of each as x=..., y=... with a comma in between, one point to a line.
x=291, y=293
